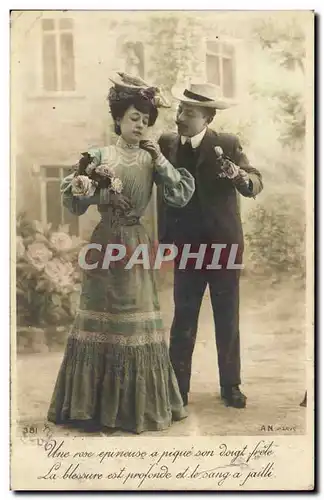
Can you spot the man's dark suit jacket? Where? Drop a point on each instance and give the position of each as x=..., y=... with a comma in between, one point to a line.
x=218, y=197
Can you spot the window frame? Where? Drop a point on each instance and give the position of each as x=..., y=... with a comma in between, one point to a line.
x=234, y=44
x=57, y=31
x=44, y=179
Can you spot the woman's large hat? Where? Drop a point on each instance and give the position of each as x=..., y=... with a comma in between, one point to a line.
x=129, y=84
x=202, y=94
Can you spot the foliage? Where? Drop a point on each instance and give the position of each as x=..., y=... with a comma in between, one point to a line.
x=175, y=47
x=285, y=40
x=285, y=44
x=292, y=110
x=276, y=237
x=47, y=273
x=173, y=59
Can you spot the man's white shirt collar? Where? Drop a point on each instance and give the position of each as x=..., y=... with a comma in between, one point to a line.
x=195, y=140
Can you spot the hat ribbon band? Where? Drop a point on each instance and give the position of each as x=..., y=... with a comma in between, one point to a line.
x=196, y=97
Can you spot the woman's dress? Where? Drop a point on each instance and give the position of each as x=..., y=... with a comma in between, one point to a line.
x=116, y=370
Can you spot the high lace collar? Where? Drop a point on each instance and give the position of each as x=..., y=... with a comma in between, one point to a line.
x=124, y=145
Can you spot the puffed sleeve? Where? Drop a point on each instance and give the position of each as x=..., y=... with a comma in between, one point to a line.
x=178, y=184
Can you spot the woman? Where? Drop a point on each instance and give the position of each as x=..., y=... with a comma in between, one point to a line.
x=116, y=370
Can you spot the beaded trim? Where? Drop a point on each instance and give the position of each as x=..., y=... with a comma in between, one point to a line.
x=122, y=318
x=123, y=144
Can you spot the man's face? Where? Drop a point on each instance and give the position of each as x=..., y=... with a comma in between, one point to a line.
x=191, y=119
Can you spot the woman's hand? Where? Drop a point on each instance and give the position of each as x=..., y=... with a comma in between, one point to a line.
x=151, y=147
x=120, y=201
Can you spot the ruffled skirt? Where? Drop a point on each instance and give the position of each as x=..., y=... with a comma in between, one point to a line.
x=116, y=371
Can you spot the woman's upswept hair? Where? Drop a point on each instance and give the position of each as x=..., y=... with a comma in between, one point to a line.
x=120, y=100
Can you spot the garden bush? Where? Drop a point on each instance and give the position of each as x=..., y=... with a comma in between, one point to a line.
x=47, y=274
x=275, y=237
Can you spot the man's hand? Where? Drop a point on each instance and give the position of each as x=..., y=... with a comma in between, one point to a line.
x=152, y=148
x=230, y=170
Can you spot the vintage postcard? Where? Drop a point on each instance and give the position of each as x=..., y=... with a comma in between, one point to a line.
x=162, y=177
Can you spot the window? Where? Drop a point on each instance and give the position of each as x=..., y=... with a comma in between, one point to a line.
x=52, y=208
x=133, y=55
x=220, y=67
x=58, y=55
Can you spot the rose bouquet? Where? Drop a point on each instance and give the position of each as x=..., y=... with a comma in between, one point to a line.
x=90, y=174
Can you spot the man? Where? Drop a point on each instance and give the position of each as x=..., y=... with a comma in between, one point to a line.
x=211, y=217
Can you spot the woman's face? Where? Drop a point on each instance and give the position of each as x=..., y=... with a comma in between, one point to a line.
x=133, y=125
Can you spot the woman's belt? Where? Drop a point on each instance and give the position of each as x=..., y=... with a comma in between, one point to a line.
x=116, y=219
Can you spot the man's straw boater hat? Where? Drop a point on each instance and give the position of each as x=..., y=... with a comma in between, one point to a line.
x=202, y=94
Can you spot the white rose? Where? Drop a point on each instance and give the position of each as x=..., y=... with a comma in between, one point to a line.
x=61, y=241
x=83, y=186
x=116, y=185
x=38, y=255
x=20, y=247
x=60, y=274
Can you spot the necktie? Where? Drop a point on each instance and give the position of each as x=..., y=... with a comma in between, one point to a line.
x=187, y=147
x=188, y=157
